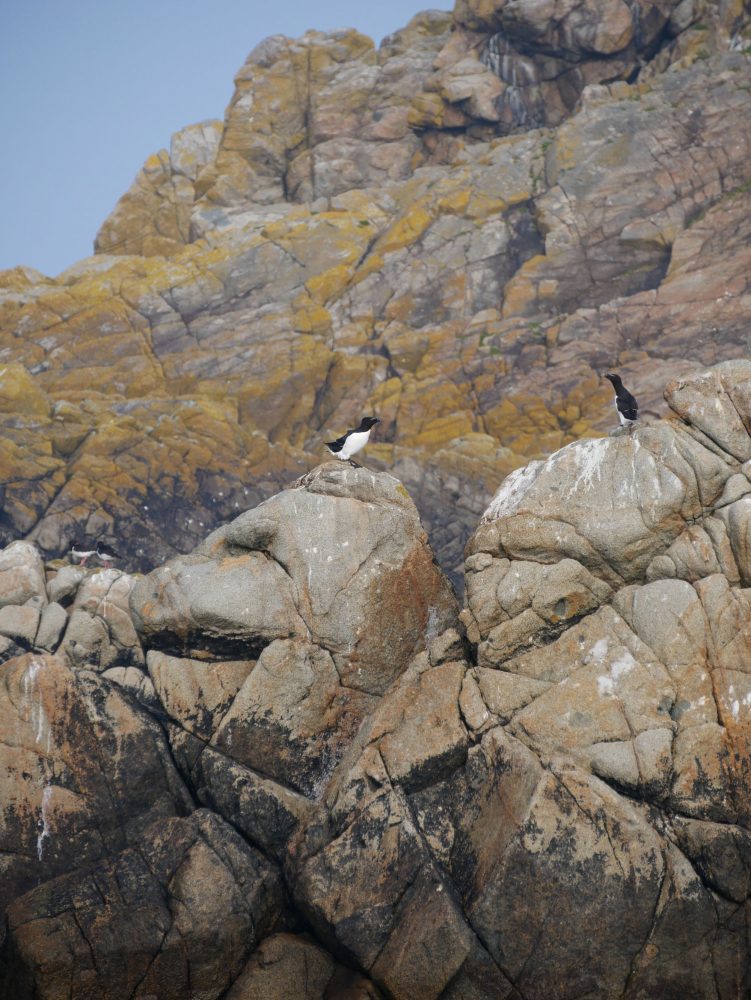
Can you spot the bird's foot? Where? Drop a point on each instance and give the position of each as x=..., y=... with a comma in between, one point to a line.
x=354, y=464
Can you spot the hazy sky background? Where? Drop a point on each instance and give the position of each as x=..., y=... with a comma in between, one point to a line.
x=90, y=88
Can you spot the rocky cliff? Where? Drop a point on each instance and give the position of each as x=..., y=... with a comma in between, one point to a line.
x=288, y=766
x=459, y=230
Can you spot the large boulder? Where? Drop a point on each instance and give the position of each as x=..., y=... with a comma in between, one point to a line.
x=100, y=630
x=340, y=560
x=322, y=596
x=21, y=575
x=613, y=649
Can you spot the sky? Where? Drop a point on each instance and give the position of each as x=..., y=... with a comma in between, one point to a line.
x=90, y=88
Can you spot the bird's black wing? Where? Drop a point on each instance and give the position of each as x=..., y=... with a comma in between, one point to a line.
x=336, y=445
x=627, y=405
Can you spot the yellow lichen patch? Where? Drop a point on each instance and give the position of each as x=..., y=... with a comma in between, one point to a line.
x=344, y=395
x=19, y=393
x=439, y=431
x=20, y=279
x=281, y=404
x=482, y=206
x=566, y=149
x=155, y=163
x=406, y=347
x=314, y=319
x=400, y=310
x=385, y=399
x=326, y=286
x=427, y=111
x=525, y=424
x=406, y=230
x=456, y=202
x=372, y=264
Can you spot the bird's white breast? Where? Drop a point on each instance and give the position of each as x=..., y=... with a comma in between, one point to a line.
x=353, y=444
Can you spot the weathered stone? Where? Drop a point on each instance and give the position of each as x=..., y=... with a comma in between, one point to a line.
x=358, y=238
x=292, y=718
x=266, y=812
x=181, y=939
x=138, y=684
x=100, y=632
x=418, y=729
x=646, y=692
x=717, y=403
x=153, y=217
x=354, y=890
x=19, y=623
x=343, y=529
x=21, y=574
x=289, y=965
x=51, y=627
x=81, y=772
x=196, y=693
x=362, y=235
x=63, y=585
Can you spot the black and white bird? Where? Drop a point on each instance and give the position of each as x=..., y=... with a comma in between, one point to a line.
x=106, y=554
x=625, y=404
x=353, y=441
x=82, y=552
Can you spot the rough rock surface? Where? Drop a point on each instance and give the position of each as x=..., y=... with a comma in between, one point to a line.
x=459, y=230
x=174, y=917
x=547, y=797
x=327, y=591
x=81, y=772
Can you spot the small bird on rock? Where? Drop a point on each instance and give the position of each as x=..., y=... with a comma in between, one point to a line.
x=353, y=441
x=82, y=552
x=625, y=403
x=106, y=554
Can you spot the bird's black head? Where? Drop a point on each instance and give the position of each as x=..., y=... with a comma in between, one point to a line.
x=614, y=379
x=367, y=422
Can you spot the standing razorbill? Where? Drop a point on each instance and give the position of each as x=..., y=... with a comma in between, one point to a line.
x=625, y=404
x=353, y=441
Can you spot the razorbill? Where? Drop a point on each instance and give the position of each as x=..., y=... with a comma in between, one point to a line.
x=625, y=404
x=82, y=552
x=106, y=554
x=353, y=441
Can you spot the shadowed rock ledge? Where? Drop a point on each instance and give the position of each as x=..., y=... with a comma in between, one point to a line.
x=303, y=773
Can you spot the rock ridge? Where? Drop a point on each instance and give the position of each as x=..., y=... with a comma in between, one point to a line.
x=544, y=794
